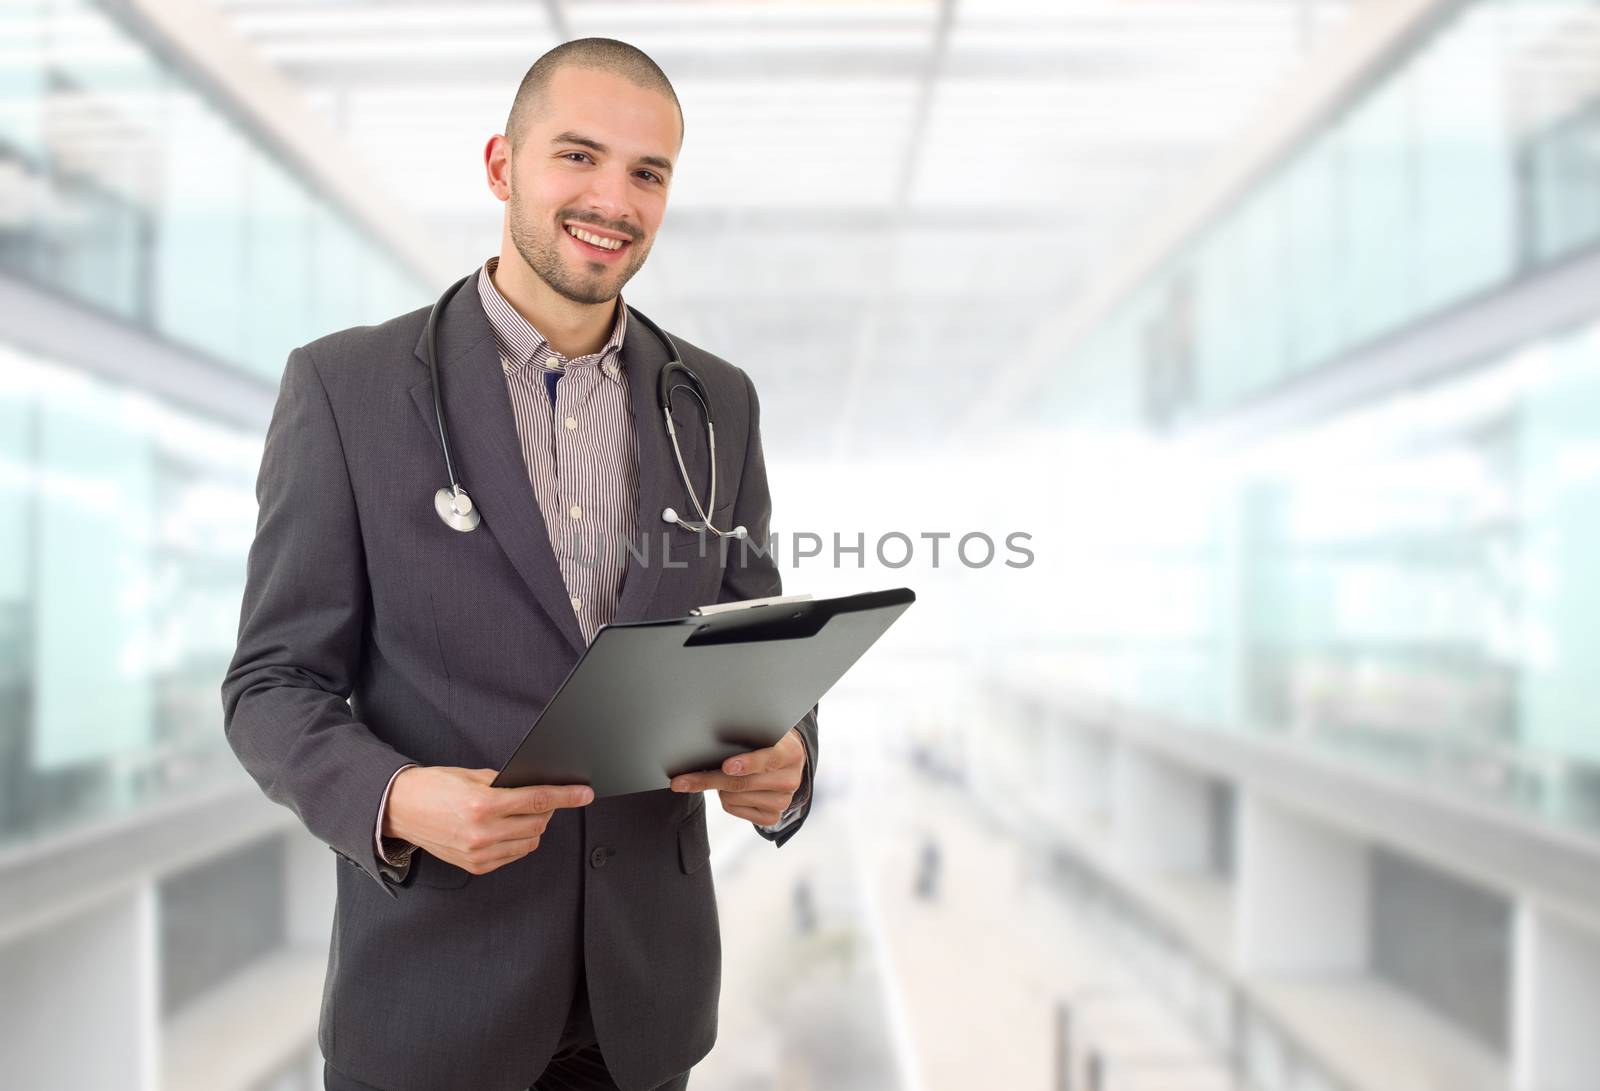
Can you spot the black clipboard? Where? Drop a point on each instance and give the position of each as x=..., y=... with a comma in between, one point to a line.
x=651, y=700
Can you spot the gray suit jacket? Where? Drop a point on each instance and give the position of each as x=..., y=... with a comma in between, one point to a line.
x=372, y=635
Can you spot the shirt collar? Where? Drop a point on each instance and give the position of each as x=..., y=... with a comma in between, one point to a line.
x=523, y=346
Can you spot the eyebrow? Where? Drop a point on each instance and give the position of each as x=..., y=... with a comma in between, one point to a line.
x=595, y=145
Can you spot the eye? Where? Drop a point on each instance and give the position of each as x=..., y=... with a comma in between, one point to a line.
x=653, y=175
x=564, y=155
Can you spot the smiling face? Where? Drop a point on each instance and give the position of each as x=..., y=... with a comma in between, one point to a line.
x=596, y=157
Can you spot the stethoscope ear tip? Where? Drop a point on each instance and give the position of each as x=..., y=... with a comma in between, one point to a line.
x=670, y=515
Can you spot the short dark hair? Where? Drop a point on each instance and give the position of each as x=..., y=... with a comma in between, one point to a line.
x=605, y=54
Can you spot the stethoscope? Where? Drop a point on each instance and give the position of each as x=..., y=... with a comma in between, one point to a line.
x=455, y=507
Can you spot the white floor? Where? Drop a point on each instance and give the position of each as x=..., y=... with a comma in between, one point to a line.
x=959, y=990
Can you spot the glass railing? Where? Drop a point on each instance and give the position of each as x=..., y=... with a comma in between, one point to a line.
x=123, y=187
x=1473, y=162
x=124, y=521
x=124, y=525
x=1410, y=585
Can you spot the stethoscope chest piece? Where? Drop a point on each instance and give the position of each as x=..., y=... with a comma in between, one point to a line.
x=455, y=507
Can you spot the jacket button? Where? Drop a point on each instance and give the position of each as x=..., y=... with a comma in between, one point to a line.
x=597, y=858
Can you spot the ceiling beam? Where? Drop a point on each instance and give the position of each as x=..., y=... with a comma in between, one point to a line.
x=866, y=345
x=1360, y=52
x=810, y=221
x=556, y=10
x=438, y=65
x=200, y=43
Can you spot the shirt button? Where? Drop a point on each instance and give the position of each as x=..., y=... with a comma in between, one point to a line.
x=576, y=602
x=597, y=858
x=572, y=422
x=575, y=511
x=611, y=370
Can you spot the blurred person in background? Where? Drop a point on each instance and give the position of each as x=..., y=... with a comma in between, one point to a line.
x=493, y=938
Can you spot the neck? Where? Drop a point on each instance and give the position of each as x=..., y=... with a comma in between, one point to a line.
x=573, y=329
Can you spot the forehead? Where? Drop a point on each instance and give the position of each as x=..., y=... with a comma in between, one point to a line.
x=610, y=108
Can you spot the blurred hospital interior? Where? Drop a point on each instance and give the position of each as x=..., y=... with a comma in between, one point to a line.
x=1223, y=375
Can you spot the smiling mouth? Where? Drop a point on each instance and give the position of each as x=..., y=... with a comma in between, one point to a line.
x=601, y=245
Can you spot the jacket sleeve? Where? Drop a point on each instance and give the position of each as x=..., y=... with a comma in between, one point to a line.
x=752, y=572
x=285, y=698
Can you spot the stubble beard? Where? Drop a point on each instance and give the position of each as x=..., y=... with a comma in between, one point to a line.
x=539, y=247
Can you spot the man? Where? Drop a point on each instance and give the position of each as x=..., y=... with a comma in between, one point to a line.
x=486, y=938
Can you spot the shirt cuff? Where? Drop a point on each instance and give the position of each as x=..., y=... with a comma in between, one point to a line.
x=391, y=850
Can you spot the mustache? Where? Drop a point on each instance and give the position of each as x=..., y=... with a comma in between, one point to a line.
x=630, y=231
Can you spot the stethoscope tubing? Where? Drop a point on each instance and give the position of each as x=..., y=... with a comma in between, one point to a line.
x=453, y=504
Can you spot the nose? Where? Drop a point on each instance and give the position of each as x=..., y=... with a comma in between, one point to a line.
x=608, y=195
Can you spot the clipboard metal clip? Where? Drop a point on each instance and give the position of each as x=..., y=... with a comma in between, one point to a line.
x=725, y=607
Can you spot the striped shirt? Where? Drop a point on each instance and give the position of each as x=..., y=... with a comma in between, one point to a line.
x=575, y=425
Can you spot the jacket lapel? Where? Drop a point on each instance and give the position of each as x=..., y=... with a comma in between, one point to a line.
x=487, y=454
x=643, y=357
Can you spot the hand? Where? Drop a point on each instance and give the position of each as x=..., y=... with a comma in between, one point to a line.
x=455, y=815
x=758, y=786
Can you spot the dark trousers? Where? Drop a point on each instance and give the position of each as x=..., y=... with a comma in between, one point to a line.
x=576, y=1066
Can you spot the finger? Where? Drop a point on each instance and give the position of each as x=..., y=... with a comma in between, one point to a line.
x=492, y=836
x=758, y=815
x=502, y=854
x=765, y=801
x=515, y=850
x=756, y=761
x=782, y=780
x=516, y=827
x=541, y=798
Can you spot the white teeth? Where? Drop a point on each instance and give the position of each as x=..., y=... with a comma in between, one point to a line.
x=594, y=240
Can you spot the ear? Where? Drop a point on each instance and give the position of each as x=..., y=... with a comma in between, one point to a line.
x=497, y=166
